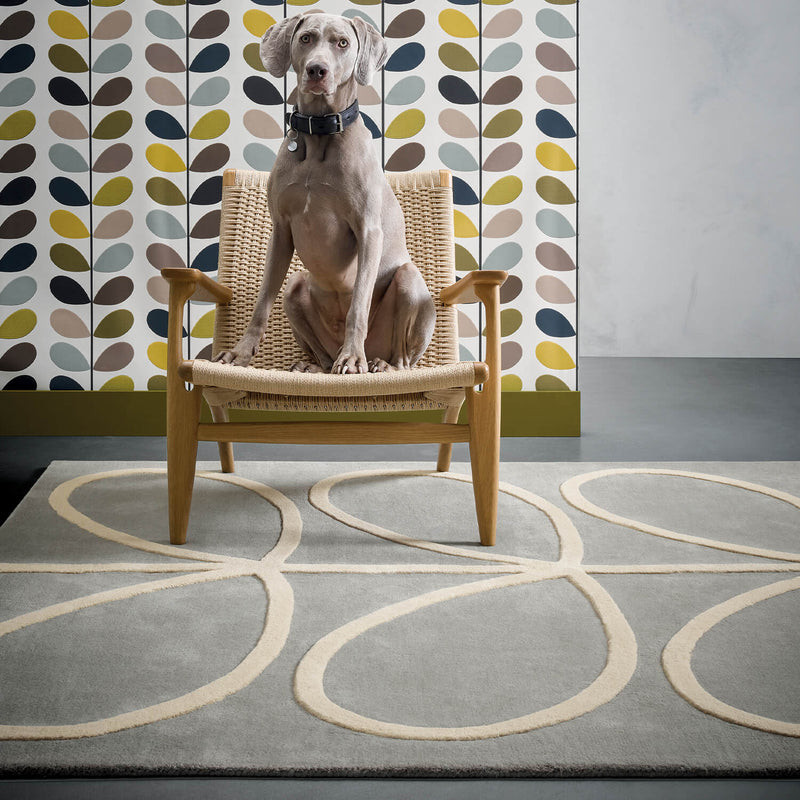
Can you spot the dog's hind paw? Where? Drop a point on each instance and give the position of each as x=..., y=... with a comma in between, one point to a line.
x=305, y=366
x=379, y=365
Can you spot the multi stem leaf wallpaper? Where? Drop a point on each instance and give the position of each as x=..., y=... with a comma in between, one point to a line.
x=117, y=118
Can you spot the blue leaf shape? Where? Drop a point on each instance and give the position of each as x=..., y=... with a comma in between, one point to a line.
x=407, y=57
x=18, y=191
x=115, y=258
x=463, y=193
x=457, y=90
x=157, y=321
x=504, y=58
x=506, y=256
x=164, y=125
x=26, y=382
x=67, y=357
x=17, y=92
x=259, y=156
x=371, y=126
x=456, y=157
x=207, y=259
x=554, y=25
x=17, y=58
x=69, y=291
x=553, y=124
x=67, y=158
x=554, y=224
x=406, y=91
x=18, y=291
x=164, y=25
x=67, y=192
x=113, y=59
x=261, y=91
x=62, y=383
x=210, y=58
x=209, y=192
x=18, y=258
x=164, y=225
x=210, y=92
x=66, y=92
x=554, y=323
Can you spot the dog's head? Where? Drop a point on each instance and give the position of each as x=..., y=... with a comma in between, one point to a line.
x=325, y=51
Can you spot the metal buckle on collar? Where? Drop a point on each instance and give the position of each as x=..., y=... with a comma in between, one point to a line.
x=339, y=122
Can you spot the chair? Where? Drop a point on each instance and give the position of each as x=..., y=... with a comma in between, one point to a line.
x=439, y=381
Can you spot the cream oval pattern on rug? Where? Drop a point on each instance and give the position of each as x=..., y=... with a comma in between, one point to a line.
x=495, y=570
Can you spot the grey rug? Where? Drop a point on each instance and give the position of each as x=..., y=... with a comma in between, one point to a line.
x=340, y=620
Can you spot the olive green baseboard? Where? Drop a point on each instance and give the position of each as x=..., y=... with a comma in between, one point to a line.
x=67, y=413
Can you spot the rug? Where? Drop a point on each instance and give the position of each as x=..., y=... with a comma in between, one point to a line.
x=329, y=619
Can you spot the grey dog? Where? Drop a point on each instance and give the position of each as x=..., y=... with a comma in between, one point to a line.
x=361, y=304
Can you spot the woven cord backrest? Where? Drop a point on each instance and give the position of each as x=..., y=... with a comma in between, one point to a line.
x=245, y=231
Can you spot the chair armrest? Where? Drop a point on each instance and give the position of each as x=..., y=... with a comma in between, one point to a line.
x=204, y=288
x=469, y=288
x=185, y=284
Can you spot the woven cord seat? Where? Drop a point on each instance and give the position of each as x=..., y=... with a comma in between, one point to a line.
x=438, y=381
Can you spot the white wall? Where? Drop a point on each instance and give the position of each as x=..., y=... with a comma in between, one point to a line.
x=689, y=178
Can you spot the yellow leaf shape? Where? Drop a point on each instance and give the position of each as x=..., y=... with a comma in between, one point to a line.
x=67, y=26
x=67, y=225
x=204, y=327
x=157, y=353
x=19, y=324
x=164, y=158
x=119, y=383
x=114, y=192
x=406, y=125
x=510, y=383
x=458, y=24
x=554, y=356
x=463, y=225
x=18, y=125
x=211, y=125
x=553, y=157
x=257, y=22
x=503, y=191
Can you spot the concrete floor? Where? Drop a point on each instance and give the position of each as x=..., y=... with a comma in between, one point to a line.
x=632, y=410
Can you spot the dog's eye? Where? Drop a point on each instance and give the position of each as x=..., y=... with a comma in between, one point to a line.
x=343, y=43
x=305, y=38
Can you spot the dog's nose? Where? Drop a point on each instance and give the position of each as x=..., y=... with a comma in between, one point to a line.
x=316, y=71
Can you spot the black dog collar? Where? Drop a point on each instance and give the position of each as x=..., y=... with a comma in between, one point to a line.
x=330, y=123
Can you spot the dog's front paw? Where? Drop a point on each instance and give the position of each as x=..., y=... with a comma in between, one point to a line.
x=241, y=355
x=350, y=365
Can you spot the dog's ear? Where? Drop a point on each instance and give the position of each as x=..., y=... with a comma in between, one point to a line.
x=276, y=45
x=372, y=51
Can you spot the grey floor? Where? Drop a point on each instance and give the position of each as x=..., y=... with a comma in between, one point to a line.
x=632, y=410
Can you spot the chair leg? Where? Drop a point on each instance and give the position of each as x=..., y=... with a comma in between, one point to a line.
x=220, y=414
x=183, y=416
x=484, y=453
x=446, y=449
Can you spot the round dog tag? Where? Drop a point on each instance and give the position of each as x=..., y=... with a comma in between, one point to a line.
x=292, y=146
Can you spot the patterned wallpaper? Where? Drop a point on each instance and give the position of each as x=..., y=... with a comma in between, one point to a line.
x=117, y=118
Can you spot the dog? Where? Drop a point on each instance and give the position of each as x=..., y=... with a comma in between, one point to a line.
x=361, y=305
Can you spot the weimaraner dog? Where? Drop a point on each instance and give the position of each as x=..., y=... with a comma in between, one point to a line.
x=361, y=304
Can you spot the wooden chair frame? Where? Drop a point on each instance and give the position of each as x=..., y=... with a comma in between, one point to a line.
x=184, y=429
